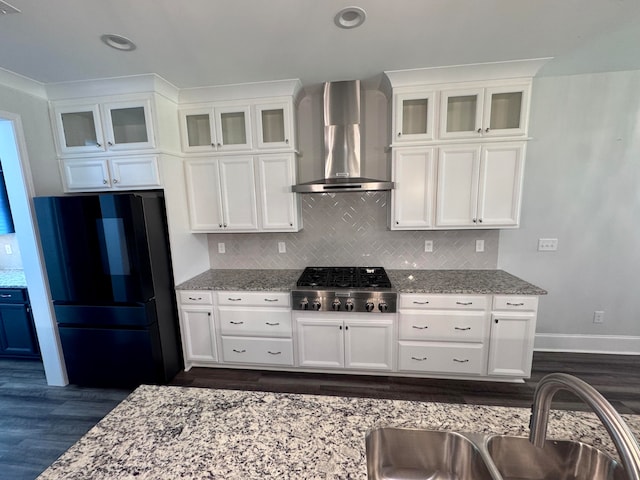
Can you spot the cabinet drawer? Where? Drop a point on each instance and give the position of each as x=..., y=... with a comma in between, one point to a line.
x=255, y=322
x=255, y=299
x=442, y=357
x=457, y=302
x=202, y=297
x=13, y=295
x=509, y=302
x=450, y=326
x=271, y=351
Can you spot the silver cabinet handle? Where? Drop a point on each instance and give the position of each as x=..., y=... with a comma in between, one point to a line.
x=273, y=353
x=105, y=181
x=464, y=303
x=462, y=328
x=5, y=295
x=420, y=303
x=110, y=143
x=460, y=361
x=286, y=140
x=273, y=324
x=419, y=328
x=239, y=351
x=271, y=300
x=219, y=144
x=236, y=323
x=515, y=304
x=234, y=299
x=487, y=130
x=480, y=130
x=115, y=180
x=195, y=298
x=419, y=359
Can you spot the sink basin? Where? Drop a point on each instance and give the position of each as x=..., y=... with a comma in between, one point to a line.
x=518, y=459
x=400, y=453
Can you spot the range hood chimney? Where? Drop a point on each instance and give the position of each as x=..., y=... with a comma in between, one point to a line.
x=342, y=144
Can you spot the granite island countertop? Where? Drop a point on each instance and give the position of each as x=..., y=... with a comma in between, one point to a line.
x=12, y=279
x=191, y=433
x=482, y=282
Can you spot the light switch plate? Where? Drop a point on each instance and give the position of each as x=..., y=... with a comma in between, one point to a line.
x=547, y=244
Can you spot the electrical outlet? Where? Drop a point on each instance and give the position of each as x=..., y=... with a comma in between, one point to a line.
x=7, y=249
x=598, y=316
x=428, y=245
x=547, y=244
x=221, y=248
x=479, y=245
x=282, y=247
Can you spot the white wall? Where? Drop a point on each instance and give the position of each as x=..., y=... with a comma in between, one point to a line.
x=582, y=186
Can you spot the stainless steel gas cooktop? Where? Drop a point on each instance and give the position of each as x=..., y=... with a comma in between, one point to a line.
x=347, y=289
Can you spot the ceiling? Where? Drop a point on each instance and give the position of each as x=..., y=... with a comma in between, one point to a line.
x=193, y=43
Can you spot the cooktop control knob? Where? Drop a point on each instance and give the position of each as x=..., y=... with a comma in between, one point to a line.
x=304, y=304
x=348, y=306
x=369, y=306
x=383, y=307
x=336, y=305
x=316, y=304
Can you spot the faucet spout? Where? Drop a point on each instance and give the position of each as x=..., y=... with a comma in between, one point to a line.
x=624, y=440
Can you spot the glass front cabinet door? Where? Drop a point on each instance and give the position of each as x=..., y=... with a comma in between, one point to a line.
x=128, y=125
x=273, y=125
x=79, y=128
x=233, y=128
x=197, y=132
x=414, y=116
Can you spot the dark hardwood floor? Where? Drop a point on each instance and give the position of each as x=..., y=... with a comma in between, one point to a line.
x=38, y=423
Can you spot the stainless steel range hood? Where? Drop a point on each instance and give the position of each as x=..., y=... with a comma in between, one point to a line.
x=342, y=144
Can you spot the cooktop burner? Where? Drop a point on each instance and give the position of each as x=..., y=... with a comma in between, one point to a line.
x=344, y=277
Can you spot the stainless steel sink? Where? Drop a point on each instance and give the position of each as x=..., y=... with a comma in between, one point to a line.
x=516, y=458
x=398, y=453
x=404, y=453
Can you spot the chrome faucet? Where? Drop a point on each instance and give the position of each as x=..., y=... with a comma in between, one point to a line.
x=622, y=437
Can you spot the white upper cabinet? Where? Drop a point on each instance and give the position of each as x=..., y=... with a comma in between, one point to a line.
x=117, y=173
x=279, y=205
x=414, y=116
x=492, y=111
x=274, y=125
x=95, y=127
x=413, y=198
x=213, y=129
x=479, y=185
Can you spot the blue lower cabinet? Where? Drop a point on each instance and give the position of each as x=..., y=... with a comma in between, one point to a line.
x=17, y=331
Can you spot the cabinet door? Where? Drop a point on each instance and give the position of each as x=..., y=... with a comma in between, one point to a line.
x=458, y=170
x=414, y=116
x=413, y=198
x=198, y=333
x=506, y=110
x=128, y=125
x=197, y=132
x=320, y=342
x=276, y=174
x=85, y=175
x=511, y=344
x=369, y=344
x=17, y=332
x=233, y=127
x=135, y=172
x=238, y=187
x=274, y=127
x=203, y=193
x=500, y=185
x=461, y=113
x=79, y=128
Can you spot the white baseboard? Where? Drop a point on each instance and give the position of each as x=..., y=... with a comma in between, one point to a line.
x=607, y=344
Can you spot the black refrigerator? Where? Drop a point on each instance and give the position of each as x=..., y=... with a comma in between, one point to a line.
x=109, y=268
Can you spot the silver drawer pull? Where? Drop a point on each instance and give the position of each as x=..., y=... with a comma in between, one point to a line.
x=462, y=328
x=515, y=304
x=273, y=353
x=419, y=328
x=235, y=323
x=420, y=303
x=194, y=298
x=234, y=299
x=270, y=299
x=4, y=295
x=239, y=351
x=273, y=324
x=464, y=303
x=461, y=361
x=419, y=359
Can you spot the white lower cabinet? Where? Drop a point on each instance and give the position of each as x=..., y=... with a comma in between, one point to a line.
x=198, y=328
x=355, y=341
x=263, y=351
x=118, y=173
x=442, y=357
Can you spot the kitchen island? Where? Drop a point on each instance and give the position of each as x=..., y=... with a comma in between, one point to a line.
x=189, y=433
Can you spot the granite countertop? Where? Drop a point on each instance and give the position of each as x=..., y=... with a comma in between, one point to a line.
x=190, y=433
x=12, y=279
x=483, y=282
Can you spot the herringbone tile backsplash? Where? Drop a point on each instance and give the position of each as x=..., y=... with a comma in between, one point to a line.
x=350, y=229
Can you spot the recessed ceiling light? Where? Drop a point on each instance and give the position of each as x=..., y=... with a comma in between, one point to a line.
x=350, y=17
x=118, y=42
